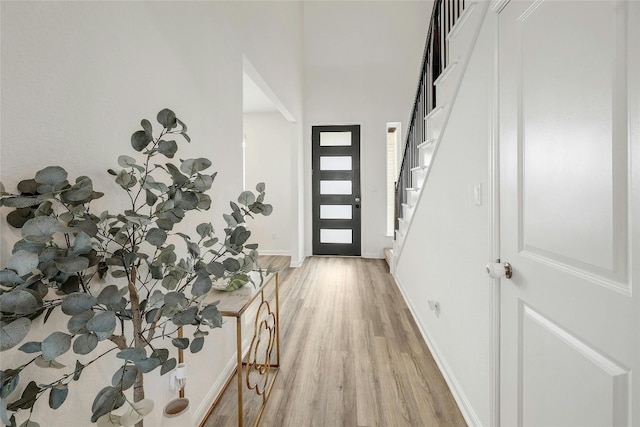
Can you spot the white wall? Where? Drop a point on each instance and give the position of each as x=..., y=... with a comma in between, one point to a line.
x=77, y=77
x=449, y=241
x=362, y=60
x=268, y=158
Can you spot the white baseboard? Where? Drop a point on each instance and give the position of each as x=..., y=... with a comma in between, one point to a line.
x=218, y=386
x=456, y=390
x=215, y=390
x=297, y=263
x=373, y=255
x=278, y=252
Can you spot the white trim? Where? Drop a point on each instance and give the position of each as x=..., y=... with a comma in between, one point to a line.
x=494, y=233
x=278, y=252
x=454, y=386
x=373, y=255
x=297, y=263
x=498, y=5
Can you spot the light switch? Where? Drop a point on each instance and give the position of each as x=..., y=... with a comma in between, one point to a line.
x=477, y=194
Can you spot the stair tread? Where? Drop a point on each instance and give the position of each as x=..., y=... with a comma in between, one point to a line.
x=446, y=72
x=434, y=112
x=425, y=143
x=466, y=13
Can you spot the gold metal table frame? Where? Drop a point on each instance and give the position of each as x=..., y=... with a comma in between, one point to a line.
x=255, y=368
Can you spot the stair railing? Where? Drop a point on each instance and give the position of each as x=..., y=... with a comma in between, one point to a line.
x=434, y=60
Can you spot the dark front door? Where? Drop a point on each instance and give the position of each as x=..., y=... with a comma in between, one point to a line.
x=336, y=190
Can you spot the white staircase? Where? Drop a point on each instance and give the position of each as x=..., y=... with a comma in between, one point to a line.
x=460, y=44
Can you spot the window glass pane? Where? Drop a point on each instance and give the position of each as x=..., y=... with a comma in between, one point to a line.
x=336, y=211
x=336, y=236
x=335, y=139
x=335, y=163
x=335, y=187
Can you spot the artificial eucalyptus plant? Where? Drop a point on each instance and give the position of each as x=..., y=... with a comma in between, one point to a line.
x=129, y=279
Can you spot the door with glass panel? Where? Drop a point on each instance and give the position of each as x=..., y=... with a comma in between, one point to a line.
x=336, y=190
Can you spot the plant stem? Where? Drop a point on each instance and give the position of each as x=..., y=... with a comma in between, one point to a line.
x=138, y=386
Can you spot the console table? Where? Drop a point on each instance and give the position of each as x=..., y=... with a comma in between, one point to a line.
x=257, y=369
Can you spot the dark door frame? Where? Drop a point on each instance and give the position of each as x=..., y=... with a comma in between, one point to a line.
x=353, y=199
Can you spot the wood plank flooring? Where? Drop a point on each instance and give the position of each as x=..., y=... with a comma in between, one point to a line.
x=351, y=355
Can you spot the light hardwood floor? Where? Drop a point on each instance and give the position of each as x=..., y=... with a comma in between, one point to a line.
x=351, y=355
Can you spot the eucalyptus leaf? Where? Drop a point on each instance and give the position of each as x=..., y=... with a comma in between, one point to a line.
x=12, y=333
x=4, y=417
x=85, y=344
x=81, y=191
x=20, y=302
x=103, y=323
x=194, y=249
x=246, y=198
x=148, y=365
x=29, y=423
x=168, y=148
x=48, y=364
x=202, y=182
x=168, y=366
x=9, y=381
x=150, y=198
x=108, y=398
x=19, y=217
x=231, y=264
x=196, y=345
x=31, y=347
x=78, y=324
x=125, y=377
x=193, y=166
x=212, y=315
x=180, y=343
x=10, y=277
x=56, y=344
x=175, y=299
x=231, y=221
x=78, y=370
x=216, y=268
x=260, y=187
x=140, y=140
x=126, y=161
x=72, y=264
x=132, y=354
x=29, y=186
x=161, y=353
x=156, y=236
x=77, y=302
x=58, y=395
x=167, y=118
x=148, y=129
x=20, y=201
x=82, y=244
x=201, y=286
x=28, y=398
x=40, y=229
x=51, y=175
x=109, y=295
x=185, y=317
x=204, y=229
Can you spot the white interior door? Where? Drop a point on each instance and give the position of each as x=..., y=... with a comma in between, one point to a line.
x=570, y=213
